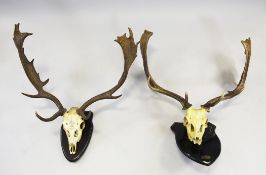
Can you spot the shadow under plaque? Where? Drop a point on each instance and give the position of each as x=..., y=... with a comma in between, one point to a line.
x=82, y=144
x=206, y=153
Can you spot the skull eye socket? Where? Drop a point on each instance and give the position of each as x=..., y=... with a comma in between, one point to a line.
x=82, y=125
x=68, y=134
x=192, y=128
x=201, y=127
x=76, y=133
x=185, y=121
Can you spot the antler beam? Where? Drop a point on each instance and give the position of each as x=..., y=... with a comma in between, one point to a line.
x=151, y=83
x=240, y=86
x=34, y=77
x=129, y=48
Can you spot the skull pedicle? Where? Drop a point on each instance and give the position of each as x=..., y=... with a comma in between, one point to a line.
x=73, y=125
x=196, y=122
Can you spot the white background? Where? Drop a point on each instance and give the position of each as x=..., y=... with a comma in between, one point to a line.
x=195, y=48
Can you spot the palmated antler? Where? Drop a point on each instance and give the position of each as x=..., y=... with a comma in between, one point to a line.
x=151, y=83
x=240, y=86
x=34, y=77
x=129, y=48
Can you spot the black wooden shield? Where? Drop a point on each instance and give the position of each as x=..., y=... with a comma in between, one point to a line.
x=206, y=153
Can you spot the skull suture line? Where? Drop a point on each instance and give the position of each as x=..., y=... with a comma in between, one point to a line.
x=73, y=125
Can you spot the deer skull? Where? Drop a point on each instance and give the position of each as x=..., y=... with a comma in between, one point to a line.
x=73, y=125
x=196, y=122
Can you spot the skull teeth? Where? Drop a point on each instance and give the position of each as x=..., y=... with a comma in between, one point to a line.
x=72, y=149
x=196, y=140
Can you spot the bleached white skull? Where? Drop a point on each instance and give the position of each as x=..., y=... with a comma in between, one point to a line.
x=73, y=125
x=196, y=122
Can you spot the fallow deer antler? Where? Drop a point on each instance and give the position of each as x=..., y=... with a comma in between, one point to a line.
x=34, y=77
x=240, y=86
x=151, y=83
x=129, y=48
x=184, y=101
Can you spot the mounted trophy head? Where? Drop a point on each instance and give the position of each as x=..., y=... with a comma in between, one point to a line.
x=195, y=120
x=76, y=120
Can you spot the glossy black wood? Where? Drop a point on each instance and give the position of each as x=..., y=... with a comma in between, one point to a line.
x=206, y=153
x=82, y=144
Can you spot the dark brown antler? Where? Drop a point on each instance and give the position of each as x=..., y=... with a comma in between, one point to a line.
x=151, y=83
x=240, y=86
x=130, y=53
x=34, y=77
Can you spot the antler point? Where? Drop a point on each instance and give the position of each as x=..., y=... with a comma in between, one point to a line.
x=117, y=96
x=130, y=32
x=148, y=32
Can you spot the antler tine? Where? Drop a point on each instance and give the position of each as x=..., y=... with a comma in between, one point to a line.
x=34, y=77
x=240, y=86
x=151, y=83
x=129, y=48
